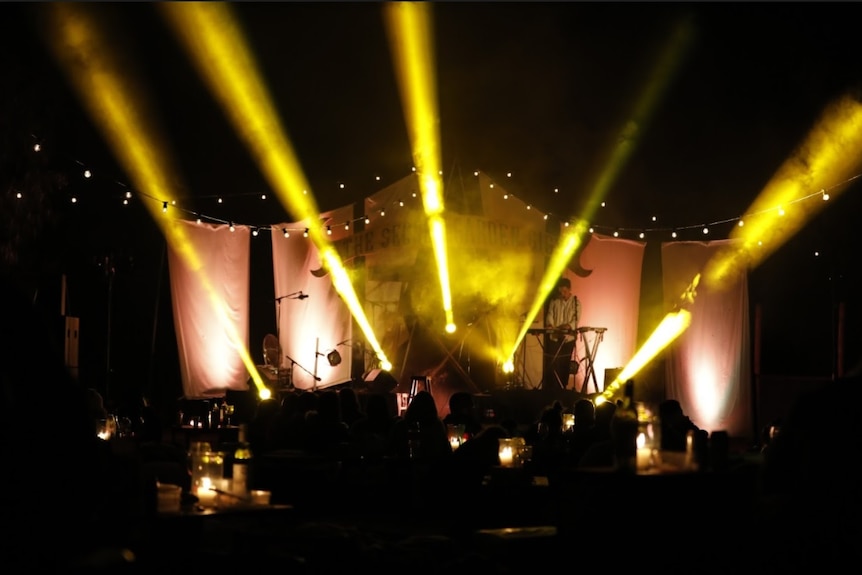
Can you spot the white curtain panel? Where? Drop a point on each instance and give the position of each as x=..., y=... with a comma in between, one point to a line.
x=610, y=300
x=209, y=276
x=311, y=327
x=709, y=365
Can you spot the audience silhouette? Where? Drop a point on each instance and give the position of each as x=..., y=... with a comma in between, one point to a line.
x=811, y=501
x=583, y=432
x=326, y=432
x=421, y=433
x=351, y=408
x=462, y=411
x=64, y=480
x=675, y=425
x=370, y=434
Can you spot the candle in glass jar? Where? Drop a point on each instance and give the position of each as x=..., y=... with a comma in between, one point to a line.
x=644, y=454
x=507, y=456
x=206, y=495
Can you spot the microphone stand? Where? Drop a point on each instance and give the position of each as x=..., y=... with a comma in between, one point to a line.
x=294, y=295
x=316, y=355
x=293, y=362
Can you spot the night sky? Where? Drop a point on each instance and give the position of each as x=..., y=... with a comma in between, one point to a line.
x=539, y=90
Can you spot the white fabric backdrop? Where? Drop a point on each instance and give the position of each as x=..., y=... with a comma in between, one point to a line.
x=319, y=323
x=209, y=271
x=610, y=298
x=709, y=365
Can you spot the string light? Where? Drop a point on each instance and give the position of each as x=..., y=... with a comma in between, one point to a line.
x=593, y=228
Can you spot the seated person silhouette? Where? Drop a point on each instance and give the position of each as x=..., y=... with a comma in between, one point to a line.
x=675, y=425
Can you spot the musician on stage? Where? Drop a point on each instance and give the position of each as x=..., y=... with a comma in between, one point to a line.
x=563, y=314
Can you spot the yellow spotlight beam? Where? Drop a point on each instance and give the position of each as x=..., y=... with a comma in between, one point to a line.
x=670, y=328
x=828, y=157
x=216, y=45
x=629, y=135
x=107, y=91
x=568, y=245
x=410, y=26
x=666, y=65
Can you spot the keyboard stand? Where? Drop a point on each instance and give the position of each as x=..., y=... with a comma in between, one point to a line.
x=590, y=355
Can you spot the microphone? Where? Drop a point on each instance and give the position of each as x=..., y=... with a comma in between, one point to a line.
x=302, y=295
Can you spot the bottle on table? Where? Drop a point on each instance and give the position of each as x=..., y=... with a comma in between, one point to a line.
x=625, y=431
x=242, y=463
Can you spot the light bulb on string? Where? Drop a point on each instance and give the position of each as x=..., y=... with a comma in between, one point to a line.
x=285, y=232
